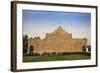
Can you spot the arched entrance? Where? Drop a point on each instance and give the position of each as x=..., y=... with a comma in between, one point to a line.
x=31, y=51
x=83, y=48
x=86, y=49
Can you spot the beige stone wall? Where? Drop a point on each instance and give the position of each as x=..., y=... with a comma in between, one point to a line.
x=57, y=41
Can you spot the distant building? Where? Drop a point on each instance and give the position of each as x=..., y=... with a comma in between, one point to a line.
x=58, y=41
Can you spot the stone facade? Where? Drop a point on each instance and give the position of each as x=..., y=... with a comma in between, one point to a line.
x=57, y=41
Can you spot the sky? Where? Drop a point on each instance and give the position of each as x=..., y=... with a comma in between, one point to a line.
x=38, y=23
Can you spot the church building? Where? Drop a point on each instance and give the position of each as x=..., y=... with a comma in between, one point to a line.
x=58, y=41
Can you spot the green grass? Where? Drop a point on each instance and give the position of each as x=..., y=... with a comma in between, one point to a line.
x=55, y=58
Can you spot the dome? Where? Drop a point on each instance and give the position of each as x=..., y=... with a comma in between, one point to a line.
x=60, y=29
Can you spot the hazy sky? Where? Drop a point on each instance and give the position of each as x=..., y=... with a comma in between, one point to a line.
x=37, y=23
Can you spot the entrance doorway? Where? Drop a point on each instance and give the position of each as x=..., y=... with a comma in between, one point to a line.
x=31, y=49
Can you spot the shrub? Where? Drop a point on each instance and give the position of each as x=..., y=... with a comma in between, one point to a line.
x=45, y=54
x=36, y=54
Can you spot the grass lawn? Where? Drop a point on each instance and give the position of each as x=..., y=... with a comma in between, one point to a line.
x=55, y=57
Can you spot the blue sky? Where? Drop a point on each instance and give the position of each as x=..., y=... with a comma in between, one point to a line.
x=37, y=23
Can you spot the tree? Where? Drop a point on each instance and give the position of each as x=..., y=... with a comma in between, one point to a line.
x=25, y=43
